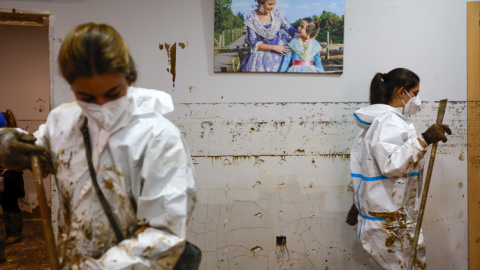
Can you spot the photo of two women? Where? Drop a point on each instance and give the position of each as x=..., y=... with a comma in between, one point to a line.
x=279, y=36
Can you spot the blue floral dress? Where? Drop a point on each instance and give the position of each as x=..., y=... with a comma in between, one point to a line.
x=303, y=57
x=266, y=61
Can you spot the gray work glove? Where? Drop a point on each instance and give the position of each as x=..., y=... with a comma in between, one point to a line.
x=352, y=216
x=436, y=133
x=16, y=148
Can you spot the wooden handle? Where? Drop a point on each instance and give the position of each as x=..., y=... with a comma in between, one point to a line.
x=413, y=252
x=46, y=220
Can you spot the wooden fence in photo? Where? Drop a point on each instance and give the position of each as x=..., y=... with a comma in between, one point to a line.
x=227, y=36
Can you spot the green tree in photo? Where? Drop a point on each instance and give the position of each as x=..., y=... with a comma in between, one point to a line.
x=225, y=19
x=223, y=11
x=332, y=23
x=329, y=22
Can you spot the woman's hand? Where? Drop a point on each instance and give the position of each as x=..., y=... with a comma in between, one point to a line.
x=280, y=49
x=16, y=149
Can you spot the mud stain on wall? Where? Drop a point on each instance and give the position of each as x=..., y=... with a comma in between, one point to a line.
x=315, y=129
x=281, y=168
x=172, y=57
x=41, y=105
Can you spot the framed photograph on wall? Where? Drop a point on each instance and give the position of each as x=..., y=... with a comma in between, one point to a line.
x=279, y=36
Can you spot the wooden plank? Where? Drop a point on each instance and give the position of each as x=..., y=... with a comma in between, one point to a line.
x=22, y=19
x=473, y=50
x=473, y=83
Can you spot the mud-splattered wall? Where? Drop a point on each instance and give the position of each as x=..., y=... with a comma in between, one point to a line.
x=272, y=169
x=271, y=152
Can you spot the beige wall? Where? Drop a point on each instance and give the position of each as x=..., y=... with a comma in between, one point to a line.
x=25, y=71
x=25, y=86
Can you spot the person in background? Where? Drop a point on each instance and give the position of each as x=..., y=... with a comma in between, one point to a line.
x=305, y=50
x=3, y=258
x=112, y=143
x=267, y=45
x=386, y=169
x=13, y=189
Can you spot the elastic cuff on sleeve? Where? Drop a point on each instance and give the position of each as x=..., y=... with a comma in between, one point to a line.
x=423, y=138
x=417, y=144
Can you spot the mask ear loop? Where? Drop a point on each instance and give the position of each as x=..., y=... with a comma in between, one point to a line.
x=405, y=89
x=405, y=104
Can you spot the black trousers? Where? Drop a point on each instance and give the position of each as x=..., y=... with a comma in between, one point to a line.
x=190, y=259
x=13, y=188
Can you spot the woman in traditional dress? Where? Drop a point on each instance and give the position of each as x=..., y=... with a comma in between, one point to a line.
x=267, y=43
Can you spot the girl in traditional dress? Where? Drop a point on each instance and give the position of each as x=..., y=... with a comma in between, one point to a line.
x=267, y=43
x=305, y=54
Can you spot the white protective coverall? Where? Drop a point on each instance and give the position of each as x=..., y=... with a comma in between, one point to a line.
x=386, y=169
x=143, y=163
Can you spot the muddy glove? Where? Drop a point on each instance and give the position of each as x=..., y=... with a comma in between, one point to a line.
x=436, y=133
x=16, y=148
x=352, y=216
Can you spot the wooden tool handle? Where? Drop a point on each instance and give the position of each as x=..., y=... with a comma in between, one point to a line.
x=413, y=252
x=46, y=219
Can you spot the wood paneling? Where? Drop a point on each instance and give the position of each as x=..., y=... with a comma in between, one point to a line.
x=473, y=82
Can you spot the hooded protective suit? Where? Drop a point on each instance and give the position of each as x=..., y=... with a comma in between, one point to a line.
x=145, y=172
x=386, y=169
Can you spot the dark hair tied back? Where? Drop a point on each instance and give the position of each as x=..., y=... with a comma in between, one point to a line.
x=384, y=85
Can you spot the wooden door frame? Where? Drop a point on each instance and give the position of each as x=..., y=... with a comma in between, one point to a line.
x=38, y=18
x=473, y=108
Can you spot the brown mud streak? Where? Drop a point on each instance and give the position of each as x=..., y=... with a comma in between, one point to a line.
x=394, y=225
x=172, y=57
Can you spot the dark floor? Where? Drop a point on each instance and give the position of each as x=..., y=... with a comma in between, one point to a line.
x=31, y=252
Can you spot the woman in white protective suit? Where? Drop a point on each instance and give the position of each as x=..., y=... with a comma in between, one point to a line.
x=386, y=169
x=115, y=143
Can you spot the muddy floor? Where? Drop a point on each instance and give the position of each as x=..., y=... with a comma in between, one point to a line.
x=31, y=252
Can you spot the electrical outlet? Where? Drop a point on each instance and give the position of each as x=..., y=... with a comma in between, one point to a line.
x=281, y=241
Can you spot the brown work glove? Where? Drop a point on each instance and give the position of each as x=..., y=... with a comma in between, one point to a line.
x=16, y=148
x=352, y=216
x=436, y=133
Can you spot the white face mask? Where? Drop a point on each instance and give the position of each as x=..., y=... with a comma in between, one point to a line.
x=106, y=115
x=412, y=106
